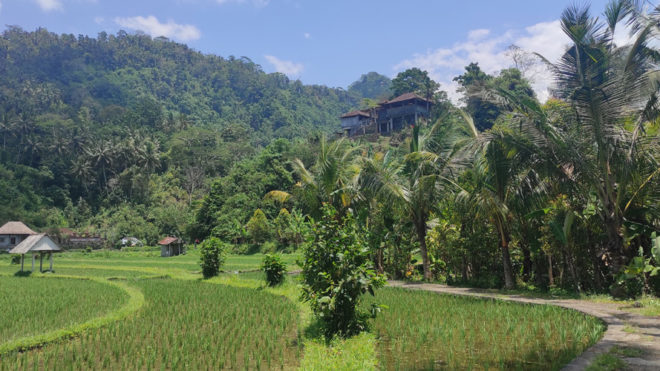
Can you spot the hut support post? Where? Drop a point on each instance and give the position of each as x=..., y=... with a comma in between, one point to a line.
x=41, y=262
x=51, y=261
x=33, y=257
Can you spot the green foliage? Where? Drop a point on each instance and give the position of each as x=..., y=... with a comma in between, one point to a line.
x=212, y=256
x=258, y=227
x=337, y=272
x=274, y=268
x=371, y=85
x=414, y=80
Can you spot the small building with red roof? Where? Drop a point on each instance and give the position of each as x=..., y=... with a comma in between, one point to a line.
x=171, y=246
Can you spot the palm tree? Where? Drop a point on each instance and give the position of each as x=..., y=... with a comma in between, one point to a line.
x=331, y=179
x=605, y=84
x=504, y=177
x=424, y=177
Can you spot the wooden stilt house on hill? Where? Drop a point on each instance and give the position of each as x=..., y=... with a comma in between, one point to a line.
x=389, y=116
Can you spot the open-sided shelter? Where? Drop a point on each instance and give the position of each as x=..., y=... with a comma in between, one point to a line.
x=12, y=233
x=38, y=244
x=171, y=246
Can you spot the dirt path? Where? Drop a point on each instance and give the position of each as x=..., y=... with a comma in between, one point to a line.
x=623, y=329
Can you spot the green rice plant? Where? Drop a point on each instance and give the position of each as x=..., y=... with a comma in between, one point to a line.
x=135, y=302
x=32, y=306
x=424, y=330
x=184, y=324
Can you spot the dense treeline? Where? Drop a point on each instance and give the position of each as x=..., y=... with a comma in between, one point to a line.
x=507, y=191
x=122, y=133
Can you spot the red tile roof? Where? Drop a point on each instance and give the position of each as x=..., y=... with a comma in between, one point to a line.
x=168, y=240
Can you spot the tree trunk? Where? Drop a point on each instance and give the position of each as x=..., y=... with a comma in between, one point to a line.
x=509, y=281
x=379, y=261
x=571, y=266
x=527, y=255
x=527, y=262
x=551, y=277
x=421, y=236
x=598, y=279
x=464, y=272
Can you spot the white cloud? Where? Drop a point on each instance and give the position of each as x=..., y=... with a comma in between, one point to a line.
x=256, y=3
x=0, y=6
x=49, y=5
x=288, y=68
x=478, y=34
x=152, y=26
x=307, y=35
x=490, y=51
x=99, y=20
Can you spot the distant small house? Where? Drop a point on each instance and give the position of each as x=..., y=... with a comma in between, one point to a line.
x=37, y=244
x=130, y=241
x=171, y=246
x=71, y=239
x=12, y=233
x=389, y=116
x=356, y=122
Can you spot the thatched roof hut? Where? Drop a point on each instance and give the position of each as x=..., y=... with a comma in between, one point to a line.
x=17, y=228
x=36, y=244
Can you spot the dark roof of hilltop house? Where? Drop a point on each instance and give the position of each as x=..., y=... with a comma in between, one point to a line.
x=404, y=98
x=16, y=228
x=355, y=113
x=168, y=240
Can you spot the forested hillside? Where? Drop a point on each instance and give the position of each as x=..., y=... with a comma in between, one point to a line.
x=120, y=125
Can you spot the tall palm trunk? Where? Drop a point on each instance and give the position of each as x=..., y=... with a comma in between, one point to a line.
x=421, y=236
x=509, y=280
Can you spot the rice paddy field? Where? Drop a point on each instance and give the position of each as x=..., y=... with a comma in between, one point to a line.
x=169, y=318
x=424, y=330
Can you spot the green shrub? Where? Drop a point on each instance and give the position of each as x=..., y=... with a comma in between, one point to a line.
x=269, y=247
x=212, y=257
x=336, y=272
x=258, y=227
x=274, y=268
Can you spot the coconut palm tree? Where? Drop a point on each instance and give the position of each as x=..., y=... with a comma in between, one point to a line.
x=606, y=86
x=421, y=180
x=331, y=179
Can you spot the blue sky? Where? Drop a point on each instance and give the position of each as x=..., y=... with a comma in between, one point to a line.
x=328, y=42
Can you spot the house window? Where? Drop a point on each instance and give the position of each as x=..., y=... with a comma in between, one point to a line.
x=12, y=240
x=2, y=240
